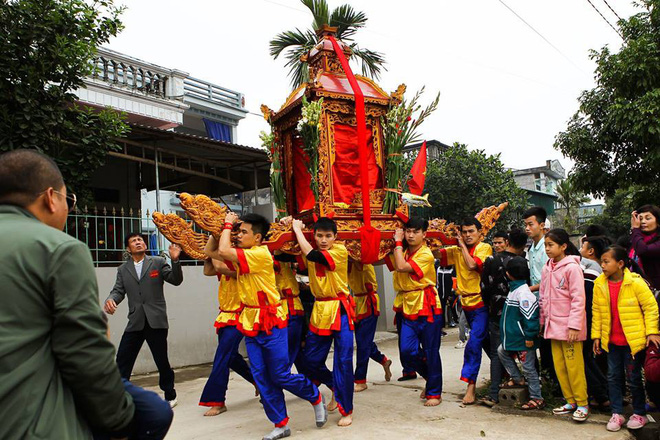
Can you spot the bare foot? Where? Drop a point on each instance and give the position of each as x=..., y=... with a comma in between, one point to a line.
x=388, y=372
x=422, y=395
x=470, y=396
x=360, y=387
x=332, y=406
x=433, y=402
x=215, y=410
x=345, y=420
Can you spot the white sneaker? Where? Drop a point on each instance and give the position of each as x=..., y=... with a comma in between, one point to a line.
x=460, y=344
x=173, y=402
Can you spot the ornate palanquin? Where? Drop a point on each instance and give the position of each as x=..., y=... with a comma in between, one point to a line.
x=339, y=185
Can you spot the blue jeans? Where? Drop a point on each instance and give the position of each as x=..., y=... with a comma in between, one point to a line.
x=496, y=367
x=528, y=361
x=152, y=418
x=620, y=362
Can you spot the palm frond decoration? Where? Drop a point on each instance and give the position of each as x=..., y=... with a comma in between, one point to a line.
x=296, y=43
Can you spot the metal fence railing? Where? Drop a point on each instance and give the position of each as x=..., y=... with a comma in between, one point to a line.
x=103, y=231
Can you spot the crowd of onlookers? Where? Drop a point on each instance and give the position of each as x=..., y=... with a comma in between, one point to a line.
x=587, y=305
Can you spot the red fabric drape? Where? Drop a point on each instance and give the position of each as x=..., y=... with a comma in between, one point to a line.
x=301, y=178
x=369, y=236
x=346, y=174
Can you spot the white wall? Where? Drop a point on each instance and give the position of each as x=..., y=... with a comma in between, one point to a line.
x=191, y=307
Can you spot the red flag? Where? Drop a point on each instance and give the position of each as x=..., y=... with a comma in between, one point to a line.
x=418, y=172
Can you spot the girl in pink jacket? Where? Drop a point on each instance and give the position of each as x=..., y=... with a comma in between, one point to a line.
x=564, y=320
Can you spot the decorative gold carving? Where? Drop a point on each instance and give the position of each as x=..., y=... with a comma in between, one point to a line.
x=397, y=95
x=268, y=113
x=206, y=213
x=179, y=231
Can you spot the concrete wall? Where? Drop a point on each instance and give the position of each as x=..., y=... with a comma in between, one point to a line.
x=191, y=307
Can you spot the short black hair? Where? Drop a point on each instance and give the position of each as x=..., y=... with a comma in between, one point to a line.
x=259, y=223
x=417, y=223
x=517, y=238
x=624, y=241
x=325, y=224
x=619, y=253
x=595, y=230
x=517, y=268
x=24, y=174
x=598, y=243
x=536, y=211
x=131, y=235
x=471, y=221
x=501, y=234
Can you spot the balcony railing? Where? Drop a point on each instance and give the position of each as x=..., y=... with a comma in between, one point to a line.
x=197, y=88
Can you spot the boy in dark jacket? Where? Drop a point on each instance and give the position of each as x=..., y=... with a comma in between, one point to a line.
x=520, y=328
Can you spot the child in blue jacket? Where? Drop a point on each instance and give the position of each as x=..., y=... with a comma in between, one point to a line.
x=519, y=331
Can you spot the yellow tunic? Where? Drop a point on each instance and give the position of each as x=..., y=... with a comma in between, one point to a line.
x=288, y=287
x=229, y=300
x=330, y=288
x=468, y=282
x=262, y=308
x=416, y=292
x=365, y=290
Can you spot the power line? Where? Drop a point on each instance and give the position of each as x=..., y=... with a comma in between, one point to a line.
x=606, y=20
x=613, y=11
x=541, y=35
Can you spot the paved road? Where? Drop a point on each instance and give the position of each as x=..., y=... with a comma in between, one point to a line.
x=387, y=410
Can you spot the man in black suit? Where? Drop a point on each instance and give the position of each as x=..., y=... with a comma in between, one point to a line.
x=142, y=278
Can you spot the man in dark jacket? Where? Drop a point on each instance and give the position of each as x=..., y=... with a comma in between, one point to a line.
x=58, y=377
x=142, y=278
x=494, y=290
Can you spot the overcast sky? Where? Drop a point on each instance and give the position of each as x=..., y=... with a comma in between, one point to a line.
x=504, y=89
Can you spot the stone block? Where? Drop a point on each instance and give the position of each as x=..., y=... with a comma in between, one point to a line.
x=513, y=396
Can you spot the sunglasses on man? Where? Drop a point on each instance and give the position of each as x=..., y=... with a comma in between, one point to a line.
x=71, y=199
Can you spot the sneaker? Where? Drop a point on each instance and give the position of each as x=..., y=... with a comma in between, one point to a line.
x=636, y=422
x=565, y=409
x=460, y=344
x=581, y=414
x=172, y=402
x=615, y=423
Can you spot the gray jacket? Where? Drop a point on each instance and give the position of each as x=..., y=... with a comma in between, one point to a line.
x=145, y=291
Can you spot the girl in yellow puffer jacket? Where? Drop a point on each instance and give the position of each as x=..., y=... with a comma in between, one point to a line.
x=625, y=321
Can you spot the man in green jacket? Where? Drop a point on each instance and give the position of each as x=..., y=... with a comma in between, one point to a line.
x=58, y=377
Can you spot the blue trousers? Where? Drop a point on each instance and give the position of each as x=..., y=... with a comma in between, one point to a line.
x=429, y=335
x=340, y=380
x=294, y=331
x=407, y=370
x=620, y=364
x=269, y=361
x=365, y=330
x=226, y=357
x=152, y=418
x=478, y=322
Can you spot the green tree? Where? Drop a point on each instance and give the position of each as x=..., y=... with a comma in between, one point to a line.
x=461, y=182
x=570, y=199
x=296, y=43
x=45, y=52
x=614, y=137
